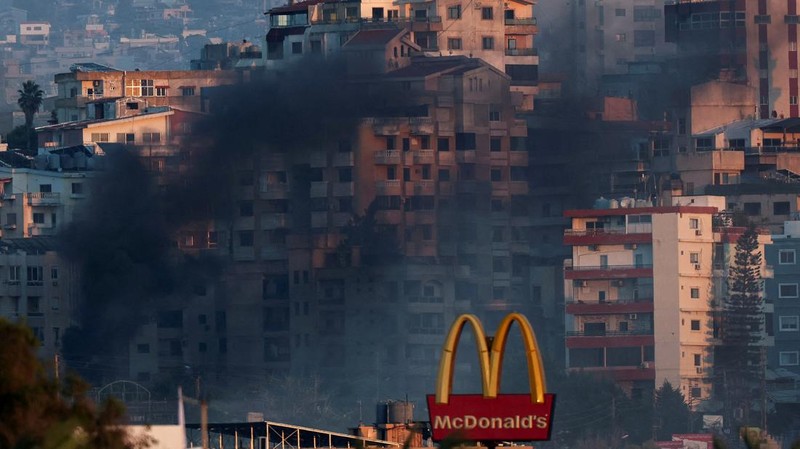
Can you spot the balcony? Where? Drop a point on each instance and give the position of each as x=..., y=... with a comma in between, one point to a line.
x=274, y=221
x=424, y=157
x=609, y=339
x=521, y=26
x=645, y=371
x=577, y=237
x=387, y=157
x=423, y=24
x=521, y=52
x=609, y=272
x=343, y=159
x=465, y=156
x=274, y=191
x=44, y=199
x=343, y=188
x=446, y=158
x=421, y=125
x=424, y=187
x=319, y=189
x=518, y=187
x=274, y=253
x=610, y=307
x=388, y=187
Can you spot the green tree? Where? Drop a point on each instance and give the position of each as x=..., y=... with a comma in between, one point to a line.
x=670, y=411
x=737, y=359
x=30, y=100
x=37, y=411
x=19, y=137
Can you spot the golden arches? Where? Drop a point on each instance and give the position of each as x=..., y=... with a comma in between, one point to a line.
x=491, y=362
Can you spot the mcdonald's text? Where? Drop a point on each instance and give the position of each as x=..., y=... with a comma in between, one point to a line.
x=508, y=417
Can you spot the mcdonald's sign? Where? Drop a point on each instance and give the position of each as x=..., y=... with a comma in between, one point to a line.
x=491, y=416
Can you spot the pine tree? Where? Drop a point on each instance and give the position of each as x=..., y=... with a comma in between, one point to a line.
x=670, y=411
x=737, y=360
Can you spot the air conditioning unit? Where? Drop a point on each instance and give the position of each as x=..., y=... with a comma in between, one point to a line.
x=697, y=266
x=699, y=369
x=584, y=283
x=634, y=246
x=619, y=283
x=698, y=232
x=632, y=316
x=645, y=365
x=592, y=247
x=97, y=83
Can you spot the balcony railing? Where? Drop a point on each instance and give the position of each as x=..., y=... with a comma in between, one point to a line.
x=608, y=267
x=526, y=21
x=616, y=231
x=609, y=333
x=610, y=302
x=44, y=199
x=521, y=52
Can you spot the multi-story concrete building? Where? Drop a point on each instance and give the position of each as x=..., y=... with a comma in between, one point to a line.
x=501, y=33
x=783, y=293
x=34, y=33
x=313, y=287
x=750, y=42
x=641, y=289
x=613, y=36
x=87, y=86
x=40, y=288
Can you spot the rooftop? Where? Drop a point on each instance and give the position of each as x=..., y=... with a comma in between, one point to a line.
x=90, y=67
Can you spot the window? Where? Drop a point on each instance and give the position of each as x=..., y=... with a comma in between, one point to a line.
x=77, y=188
x=696, y=392
x=786, y=257
x=424, y=142
x=454, y=12
x=390, y=142
x=789, y=323
x=494, y=116
x=443, y=144
x=487, y=13
x=45, y=188
x=694, y=258
x=788, y=358
x=139, y=88
x=187, y=91
x=695, y=325
x=126, y=138
x=391, y=173
x=697, y=360
x=497, y=174
x=694, y=293
x=645, y=14
x=619, y=12
x=620, y=37
x=793, y=99
x=694, y=223
x=161, y=91
x=787, y=290
x=99, y=137
x=35, y=275
x=151, y=137
x=453, y=43
x=495, y=144
x=444, y=174
x=781, y=208
x=246, y=209
x=38, y=218
x=406, y=142
x=488, y=43
x=752, y=209
x=246, y=238
x=13, y=273
x=644, y=38
x=465, y=141
x=54, y=273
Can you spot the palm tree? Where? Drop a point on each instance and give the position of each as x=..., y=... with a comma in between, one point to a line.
x=30, y=100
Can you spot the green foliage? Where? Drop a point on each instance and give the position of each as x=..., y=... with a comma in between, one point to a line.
x=19, y=137
x=670, y=411
x=39, y=412
x=30, y=100
x=737, y=358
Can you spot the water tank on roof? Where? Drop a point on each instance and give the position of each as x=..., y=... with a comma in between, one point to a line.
x=626, y=202
x=613, y=204
x=53, y=162
x=601, y=203
x=40, y=162
x=394, y=412
x=643, y=203
x=80, y=160
x=67, y=162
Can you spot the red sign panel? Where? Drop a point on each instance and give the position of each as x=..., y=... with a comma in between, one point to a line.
x=508, y=417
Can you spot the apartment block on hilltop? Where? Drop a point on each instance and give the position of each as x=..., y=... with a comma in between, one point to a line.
x=500, y=33
x=89, y=86
x=642, y=288
x=748, y=42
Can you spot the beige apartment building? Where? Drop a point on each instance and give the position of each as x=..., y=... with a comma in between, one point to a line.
x=40, y=288
x=89, y=86
x=311, y=290
x=500, y=33
x=642, y=288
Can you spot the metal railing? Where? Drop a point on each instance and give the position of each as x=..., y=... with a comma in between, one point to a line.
x=521, y=21
x=608, y=267
x=609, y=333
